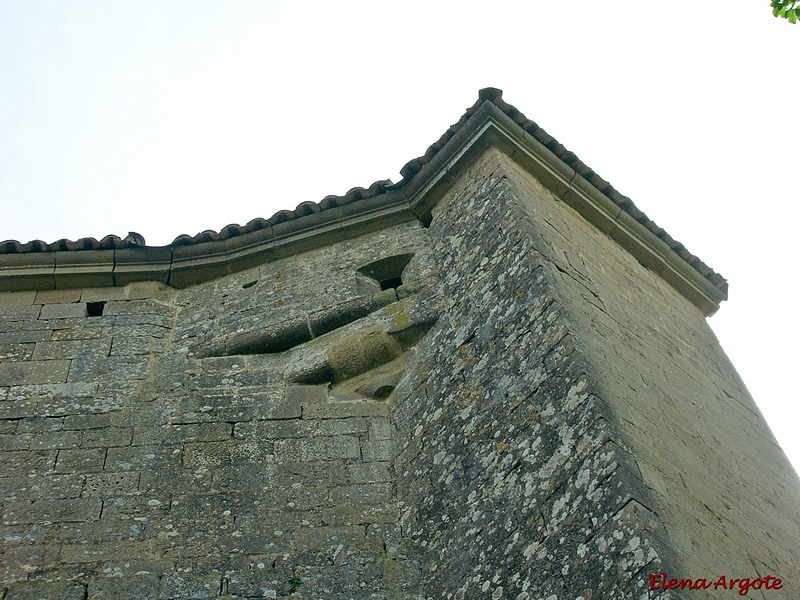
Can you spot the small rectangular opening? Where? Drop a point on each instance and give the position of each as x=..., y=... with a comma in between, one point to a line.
x=388, y=272
x=95, y=309
x=392, y=283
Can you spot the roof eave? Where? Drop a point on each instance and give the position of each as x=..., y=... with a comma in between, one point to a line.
x=491, y=127
x=414, y=198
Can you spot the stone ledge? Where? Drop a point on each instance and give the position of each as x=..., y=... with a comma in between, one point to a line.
x=488, y=127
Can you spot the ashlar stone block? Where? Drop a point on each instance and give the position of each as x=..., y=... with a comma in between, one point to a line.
x=322, y=448
x=16, y=352
x=57, y=296
x=63, y=311
x=80, y=461
x=10, y=299
x=27, y=463
x=34, y=372
x=19, y=313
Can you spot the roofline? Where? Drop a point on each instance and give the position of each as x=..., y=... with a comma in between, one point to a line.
x=491, y=127
x=488, y=123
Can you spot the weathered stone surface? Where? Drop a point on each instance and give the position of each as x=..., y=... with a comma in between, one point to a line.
x=53, y=440
x=376, y=450
x=380, y=429
x=217, y=424
x=34, y=371
x=143, y=290
x=320, y=448
x=102, y=294
x=234, y=404
x=300, y=428
x=57, y=296
x=341, y=409
x=77, y=331
x=65, y=510
x=524, y=412
x=10, y=326
x=46, y=590
x=41, y=486
x=14, y=334
x=27, y=463
x=175, y=434
x=361, y=514
x=15, y=442
x=15, y=312
x=375, y=472
x=99, y=552
x=81, y=461
x=144, y=585
x=362, y=494
x=55, y=350
x=97, y=368
x=35, y=425
x=142, y=458
x=110, y=485
x=51, y=400
x=16, y=352
x=57, y=405
x=216, y=454
x=106, y=437
x=86, y=421
x=63, y=311
x=12, y=299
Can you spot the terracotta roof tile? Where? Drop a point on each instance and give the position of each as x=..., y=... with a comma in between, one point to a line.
x=379, y=187
x=110, y=242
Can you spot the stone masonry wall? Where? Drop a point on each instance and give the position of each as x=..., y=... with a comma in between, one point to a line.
x=724, y=490
x=513, y=479
x=502, y=405
x=228, y=440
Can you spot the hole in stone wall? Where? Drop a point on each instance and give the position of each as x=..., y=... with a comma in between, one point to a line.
x=249, y=284
x=391, y=284
x=387, y=271
x=95, y=309
x=382, y=393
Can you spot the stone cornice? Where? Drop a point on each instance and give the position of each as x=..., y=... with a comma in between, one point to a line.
x=414, y=198
x=490, y=127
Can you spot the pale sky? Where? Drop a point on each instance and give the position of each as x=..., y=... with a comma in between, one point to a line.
x=174, y=117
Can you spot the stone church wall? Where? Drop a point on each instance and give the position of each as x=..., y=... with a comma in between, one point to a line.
x=680, y=409
x=231, y=439
x=515, y=485
x=501, y=403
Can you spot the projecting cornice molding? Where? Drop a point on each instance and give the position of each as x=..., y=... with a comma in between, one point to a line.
x=490, y=127
x=488, y=124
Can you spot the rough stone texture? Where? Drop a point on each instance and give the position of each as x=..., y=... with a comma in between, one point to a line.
x=521, y=411
x=167, y=448
x=515, y=484
x=683, y=414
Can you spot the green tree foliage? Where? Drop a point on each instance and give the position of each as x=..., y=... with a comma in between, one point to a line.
x=788, y=9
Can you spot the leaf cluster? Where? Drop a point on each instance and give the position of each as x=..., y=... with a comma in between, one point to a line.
x=788, y=9
x=295, y=582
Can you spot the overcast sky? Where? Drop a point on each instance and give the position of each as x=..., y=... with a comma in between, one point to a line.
x=174, y=117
